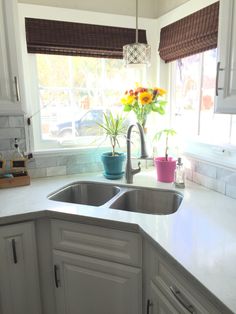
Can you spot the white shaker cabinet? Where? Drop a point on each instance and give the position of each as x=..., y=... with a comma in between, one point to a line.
x=19, y=285
x=96, y=270
x=225, y=101
x=11, y=74
x=169, y=289
x=87, y=285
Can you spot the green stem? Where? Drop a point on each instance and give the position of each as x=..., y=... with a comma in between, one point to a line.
x=166, y=150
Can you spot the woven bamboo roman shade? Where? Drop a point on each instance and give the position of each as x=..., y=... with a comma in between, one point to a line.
x=77, y=39
x=193, y=34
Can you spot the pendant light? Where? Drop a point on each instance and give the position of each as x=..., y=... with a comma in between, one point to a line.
x=136, y=53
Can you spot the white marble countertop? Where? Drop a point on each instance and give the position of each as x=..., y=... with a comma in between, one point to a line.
x=201, y=235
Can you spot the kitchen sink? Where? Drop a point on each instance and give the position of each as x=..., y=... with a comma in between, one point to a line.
x=87, y=193
x=122, y=197
x=149, y=201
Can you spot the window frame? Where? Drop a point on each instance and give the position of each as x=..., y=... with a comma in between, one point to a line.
x=196, y=147
x=40, y=144
x=77, y=16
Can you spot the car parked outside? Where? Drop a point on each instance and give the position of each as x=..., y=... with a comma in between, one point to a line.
x=85, y=125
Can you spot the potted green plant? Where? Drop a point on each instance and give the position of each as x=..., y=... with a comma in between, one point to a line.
x=166, y=165
x=114, y=127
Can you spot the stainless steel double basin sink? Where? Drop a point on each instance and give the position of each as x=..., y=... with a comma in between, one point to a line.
x=115, y=196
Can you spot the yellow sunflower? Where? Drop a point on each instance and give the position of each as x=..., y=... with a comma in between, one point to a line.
x=127, y=100
x=161, y=91
x=145, y=98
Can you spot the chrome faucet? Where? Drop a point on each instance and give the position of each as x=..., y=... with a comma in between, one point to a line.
x=129, y=171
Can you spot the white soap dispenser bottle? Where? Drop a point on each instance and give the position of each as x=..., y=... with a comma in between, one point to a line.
x=179, y=174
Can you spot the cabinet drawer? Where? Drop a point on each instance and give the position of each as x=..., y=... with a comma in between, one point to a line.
x=108, y=244
x=177, y=285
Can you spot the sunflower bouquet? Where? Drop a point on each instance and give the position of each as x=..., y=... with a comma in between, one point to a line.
x=142, y=101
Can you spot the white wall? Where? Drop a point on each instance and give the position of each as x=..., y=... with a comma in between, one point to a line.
x=146, y=8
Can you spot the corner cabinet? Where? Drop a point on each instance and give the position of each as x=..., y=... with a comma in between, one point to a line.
x=19, y=284
x=225, y=101
x=11, y=74
x=96, y=270
x=170, y=289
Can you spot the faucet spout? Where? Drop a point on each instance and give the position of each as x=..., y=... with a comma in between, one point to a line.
x=130, y=172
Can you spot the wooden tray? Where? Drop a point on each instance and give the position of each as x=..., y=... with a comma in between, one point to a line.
x=18, y=179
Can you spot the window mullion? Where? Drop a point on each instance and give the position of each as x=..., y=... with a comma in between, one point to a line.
x=172, y=96
x=200, y=92
x=103, y=74
x=71, y=97
x=230, y=129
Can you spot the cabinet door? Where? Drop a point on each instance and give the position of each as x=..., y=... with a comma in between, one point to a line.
x=226, y=66
x=161, y=304
x=87, y=285
x=19, y=287
x=11, y=75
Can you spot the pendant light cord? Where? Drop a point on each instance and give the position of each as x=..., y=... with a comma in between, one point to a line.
x=136, y=33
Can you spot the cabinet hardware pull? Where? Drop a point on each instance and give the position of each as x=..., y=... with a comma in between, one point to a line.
x=13, y=245
x=149, y=304
x=182, y=300
x=17, y=89
x=218, y=69
x=57, y=281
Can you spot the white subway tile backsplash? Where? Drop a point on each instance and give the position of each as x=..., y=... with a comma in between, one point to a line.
x=45, y=162
x=16, y=121
x=31, y=164
x=77, y=168
x=62, y=160
x=205, y=169
x=56, y=171
x=189, y=174
x=223, y=174
x=4, y=122
x=5, y=144
x=231, y=179
x=209, y=182
x=7, y=133
x=214, y=177
x=37, y=172
x=230, y=190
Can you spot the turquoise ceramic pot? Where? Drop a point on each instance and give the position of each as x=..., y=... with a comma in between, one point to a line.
x=113, y=165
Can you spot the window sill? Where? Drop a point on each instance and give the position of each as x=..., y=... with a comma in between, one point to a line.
x=220, y=155
x=71, y=151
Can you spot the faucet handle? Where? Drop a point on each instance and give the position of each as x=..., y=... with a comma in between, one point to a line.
x=137, y=170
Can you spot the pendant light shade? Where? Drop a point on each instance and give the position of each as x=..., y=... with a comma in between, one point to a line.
x=136, y=53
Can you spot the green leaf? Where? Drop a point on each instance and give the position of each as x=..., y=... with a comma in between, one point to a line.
x=162, y=102
x=161, y=110
x=158, y=109
x=127, y=108
x=114, y=126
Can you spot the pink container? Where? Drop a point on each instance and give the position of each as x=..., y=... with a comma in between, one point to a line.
x=165, y=169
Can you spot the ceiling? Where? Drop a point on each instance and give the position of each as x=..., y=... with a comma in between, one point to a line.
x=147, y=8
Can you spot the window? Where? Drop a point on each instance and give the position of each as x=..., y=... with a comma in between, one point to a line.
x=73, y=93
x=193, y=101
